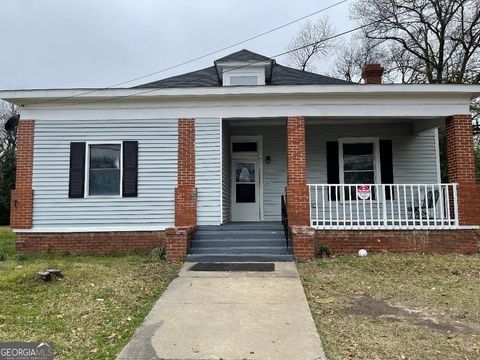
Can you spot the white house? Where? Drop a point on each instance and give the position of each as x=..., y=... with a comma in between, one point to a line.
x=203, y=159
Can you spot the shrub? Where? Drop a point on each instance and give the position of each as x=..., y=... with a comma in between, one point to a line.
x=3, y=257
x=324, y=252
x=158, y=253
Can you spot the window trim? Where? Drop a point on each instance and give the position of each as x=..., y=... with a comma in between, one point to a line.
x=245, y=76
x=376, y=156
x=247, y=154
x=259, y=72
x=87, y=169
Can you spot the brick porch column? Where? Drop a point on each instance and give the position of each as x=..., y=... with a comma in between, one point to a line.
x=178, y=239
x=185, y=196
x=461, y=167
x=298, y=206
x=22, y=196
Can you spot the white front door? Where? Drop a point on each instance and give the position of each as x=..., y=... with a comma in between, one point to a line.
x=245, y=190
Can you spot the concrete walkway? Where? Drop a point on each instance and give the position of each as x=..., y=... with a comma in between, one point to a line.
x=229, y=315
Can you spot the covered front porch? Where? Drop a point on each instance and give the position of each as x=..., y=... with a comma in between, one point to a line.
x=343, y=173
x=361, y=173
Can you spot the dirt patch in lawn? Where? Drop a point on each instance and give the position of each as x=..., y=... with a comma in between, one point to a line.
x=377, y=309
x=396, y=306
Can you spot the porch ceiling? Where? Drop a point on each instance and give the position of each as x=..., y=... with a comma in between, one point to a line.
x=418, y=124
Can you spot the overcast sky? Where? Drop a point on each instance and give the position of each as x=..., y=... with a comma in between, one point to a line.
x=97, y=43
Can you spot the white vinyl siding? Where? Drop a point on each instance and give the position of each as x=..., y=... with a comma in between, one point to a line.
x=208, y=168
x=414, y=154
x=414, y=161
x=226, y=177
x=153, y=209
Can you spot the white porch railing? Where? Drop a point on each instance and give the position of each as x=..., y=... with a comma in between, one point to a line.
x=379, y=206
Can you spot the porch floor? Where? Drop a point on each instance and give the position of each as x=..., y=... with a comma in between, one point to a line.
x=240, y=242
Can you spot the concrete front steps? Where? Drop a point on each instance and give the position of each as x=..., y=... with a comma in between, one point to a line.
x=240, y=242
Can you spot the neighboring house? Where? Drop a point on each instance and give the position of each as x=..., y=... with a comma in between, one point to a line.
x=123, y=169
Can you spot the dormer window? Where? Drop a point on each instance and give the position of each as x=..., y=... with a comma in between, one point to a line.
x=240, y=75
x=244, y=68
x=243, y=80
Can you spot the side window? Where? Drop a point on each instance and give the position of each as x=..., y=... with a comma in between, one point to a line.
x=104, y=169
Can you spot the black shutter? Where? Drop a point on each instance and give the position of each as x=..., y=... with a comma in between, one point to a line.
x=386, y=165
x=76, y=186
x=130, y=168
x=333, y=176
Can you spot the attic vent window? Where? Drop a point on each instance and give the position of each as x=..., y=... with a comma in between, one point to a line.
x=243, y=80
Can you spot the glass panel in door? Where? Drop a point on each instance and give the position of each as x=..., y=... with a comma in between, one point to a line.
x=245, y=206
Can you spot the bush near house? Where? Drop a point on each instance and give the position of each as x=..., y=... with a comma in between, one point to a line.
x=396, y=306
x=91, y=313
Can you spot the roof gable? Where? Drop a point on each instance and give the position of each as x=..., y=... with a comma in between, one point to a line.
x=243, y=55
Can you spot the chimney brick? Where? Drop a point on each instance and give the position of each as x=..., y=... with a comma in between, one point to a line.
x=372, y=74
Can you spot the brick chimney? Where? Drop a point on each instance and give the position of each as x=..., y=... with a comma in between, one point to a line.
x=372, y=73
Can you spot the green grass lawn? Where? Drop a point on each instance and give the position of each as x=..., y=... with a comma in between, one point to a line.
x=389, y=306
x=7, y=241
x=91, y=313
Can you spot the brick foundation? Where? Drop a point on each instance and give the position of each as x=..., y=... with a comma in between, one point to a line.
x=303, y=242
x=469, y=204
x=422, y=241
x=22, y=196
x=178, y=241
x=90, y=243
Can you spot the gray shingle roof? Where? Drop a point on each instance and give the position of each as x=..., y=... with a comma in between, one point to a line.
x=243, y=55
x=208, y=77
x=200, y=78
x=284, y=75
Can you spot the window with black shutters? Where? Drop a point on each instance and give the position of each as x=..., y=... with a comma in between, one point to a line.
x=360, y=161
x=103, y=169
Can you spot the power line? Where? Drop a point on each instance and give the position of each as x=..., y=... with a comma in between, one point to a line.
x=199, y=57
x=231, y=69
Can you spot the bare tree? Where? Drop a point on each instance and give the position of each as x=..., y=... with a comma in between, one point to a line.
x=353, y=55
x=312, y=41
x=8, y=142
x=421, y=41
x=7, y=137
x=436, y=41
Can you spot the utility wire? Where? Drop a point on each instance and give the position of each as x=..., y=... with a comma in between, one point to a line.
x=199, y=57
x=231, y=69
